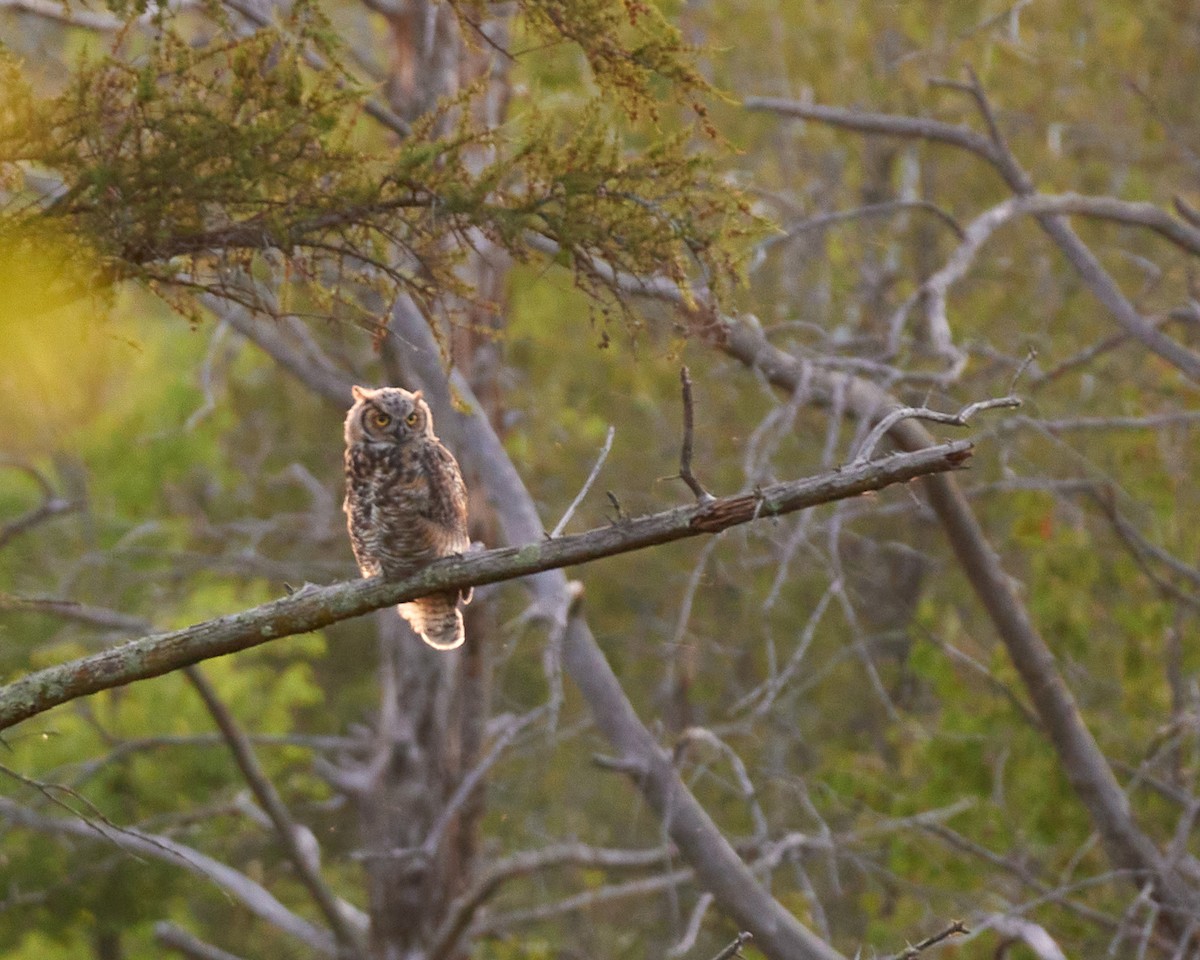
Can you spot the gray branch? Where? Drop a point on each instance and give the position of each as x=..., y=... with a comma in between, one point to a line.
x=348, y=933
x=1051, y=218
x=177, y=939
x=317, y=607
x=253, y=896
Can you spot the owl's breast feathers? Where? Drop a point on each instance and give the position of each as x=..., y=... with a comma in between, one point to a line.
x=406, y=506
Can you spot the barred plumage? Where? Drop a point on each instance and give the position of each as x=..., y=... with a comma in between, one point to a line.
x=406, y=504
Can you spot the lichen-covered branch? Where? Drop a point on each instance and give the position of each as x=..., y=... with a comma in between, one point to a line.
x=316, y=607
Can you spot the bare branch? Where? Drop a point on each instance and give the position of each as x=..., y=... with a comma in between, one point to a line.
x=582, y=901
x=957, y=928
x=959, y=419
x=349, y=935
x=892, y=125
x=252, y=895
x=587, y=485
x=311, y=609
x=685, y=452
x=79, y=612
x=177, y=939
x=733, y=949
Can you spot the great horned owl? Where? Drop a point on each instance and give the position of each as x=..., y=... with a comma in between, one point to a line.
x=406, y=504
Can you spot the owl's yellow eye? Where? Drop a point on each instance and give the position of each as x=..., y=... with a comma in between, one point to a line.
x=411, y=419
x=380, y=419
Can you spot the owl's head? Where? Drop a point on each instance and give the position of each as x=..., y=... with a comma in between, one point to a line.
x=387, y=416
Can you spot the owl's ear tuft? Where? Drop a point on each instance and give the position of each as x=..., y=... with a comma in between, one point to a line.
x=416, y=395
x=359, y=393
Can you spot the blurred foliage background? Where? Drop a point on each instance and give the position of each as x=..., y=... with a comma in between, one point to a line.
x=201, y=478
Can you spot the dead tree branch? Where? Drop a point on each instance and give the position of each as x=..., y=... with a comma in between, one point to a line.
x=349, y=935
x=252, y=895
x=957, y=928
x=176, y=938
x=959, y=419
x=314, y=608
x=1054, y=223
x=685, y=452
x=733, y=949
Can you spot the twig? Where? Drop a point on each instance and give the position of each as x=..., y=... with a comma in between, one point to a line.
x=959, y=419
x=587, y=485
x=749, y=794
x=685, y=453
x=957, y=928
x=1030, y=357
x=703, y=904
x=733, y=949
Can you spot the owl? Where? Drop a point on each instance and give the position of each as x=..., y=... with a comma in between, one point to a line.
x=406, y=504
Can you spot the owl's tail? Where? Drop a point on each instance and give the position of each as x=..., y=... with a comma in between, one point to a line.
x=437, y=619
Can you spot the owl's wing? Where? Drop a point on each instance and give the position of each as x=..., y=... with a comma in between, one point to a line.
x=452, y=494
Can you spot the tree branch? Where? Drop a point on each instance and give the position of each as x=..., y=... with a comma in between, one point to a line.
x=305, y=861
x=778, y=933
x=316, y=607
x=176, y=938
x=256, y=898
x=1129, y=848
x=1053, y=222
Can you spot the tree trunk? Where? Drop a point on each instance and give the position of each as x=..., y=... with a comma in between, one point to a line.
x=438, y=702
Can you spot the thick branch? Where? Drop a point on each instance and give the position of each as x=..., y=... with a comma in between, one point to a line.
x=317, y=607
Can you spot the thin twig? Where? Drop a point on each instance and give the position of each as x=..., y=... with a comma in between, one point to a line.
x=959, y=419
x=685, y=453
x=732, y=949
x=957, y=928
x=587, y=485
